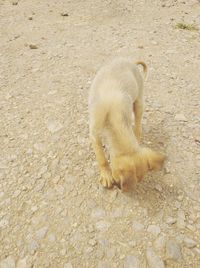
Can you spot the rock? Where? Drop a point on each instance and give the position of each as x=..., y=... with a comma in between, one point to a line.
x=189, y=243
x=103, y=264
x=154, y=42
x=8, y=262
x=63, y=252
x=153, y=229
x=110, y=253
x=153, y=260
x=158, y=188
x=173, y=250
x=4, y=223
x=68, y=265
x=16, y=193
x=41, y=233
x=180, y=117
x=98, y=213
x=181, y=219
x=160, y=243
x=103, y=225
x=191, y=227
x=131, y=262
x=22, y=263
x=137, y=226
x=52, y=238
x=92, y=242
x=32, y=246
x=64, y=14
x=89, y=250
x=54, y=126
x=170, y=220
x=14, y=3
x=32, y=46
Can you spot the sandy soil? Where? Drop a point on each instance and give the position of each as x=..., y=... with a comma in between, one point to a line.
x=53, y=212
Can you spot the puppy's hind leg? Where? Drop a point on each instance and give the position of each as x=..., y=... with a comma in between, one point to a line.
x=96, y=126
x=138, y=111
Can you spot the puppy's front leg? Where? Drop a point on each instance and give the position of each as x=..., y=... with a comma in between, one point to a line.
x=106, y=178
x=138, y=111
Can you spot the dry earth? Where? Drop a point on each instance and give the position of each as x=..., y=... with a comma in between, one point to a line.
x=53, y=212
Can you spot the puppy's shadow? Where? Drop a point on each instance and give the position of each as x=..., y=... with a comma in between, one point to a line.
x=155, y=191
x=156, y=135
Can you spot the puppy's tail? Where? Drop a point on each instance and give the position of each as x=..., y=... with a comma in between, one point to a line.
x=144, y=66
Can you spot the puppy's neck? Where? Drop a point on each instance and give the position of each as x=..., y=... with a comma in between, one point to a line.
x=125, y=143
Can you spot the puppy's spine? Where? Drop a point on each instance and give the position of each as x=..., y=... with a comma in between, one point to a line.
x=145, y=69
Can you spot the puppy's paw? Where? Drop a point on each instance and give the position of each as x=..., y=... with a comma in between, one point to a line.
x=106, y=179
x=138, y=133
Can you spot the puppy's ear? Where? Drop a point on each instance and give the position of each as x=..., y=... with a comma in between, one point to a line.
x=128, y=181
x=155, y=160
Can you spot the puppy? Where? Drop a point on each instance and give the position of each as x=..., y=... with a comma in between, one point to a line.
x=115, y=94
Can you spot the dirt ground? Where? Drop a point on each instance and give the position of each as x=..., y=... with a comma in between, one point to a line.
x=53, y=211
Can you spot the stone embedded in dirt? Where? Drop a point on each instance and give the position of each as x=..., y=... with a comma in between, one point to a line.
x=32, y=46
x=52, y=237
x=131, y=262
x=170, y=220
x=32, y=246
x=63, y=252
x=153, y=229
x=103, y=225
x=180, y=117
x=64, y=14
x=154, y=42
x=41, y=233
x=21, y=263
x=16, y=193
x=98, y=213
x=160, y=242
x=189, y=243
x=181, y=219
x=89, y=250
x=54, y=126
x=4, y=223
x=137, y=226
x=173, y=250
x=153, y=260
x=92, y=242
x=158, y=188
x=68, y=265
x=8, y=262
x=15, y=3
x=103, y=264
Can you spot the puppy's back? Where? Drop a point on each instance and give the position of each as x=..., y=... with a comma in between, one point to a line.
x=114, y=80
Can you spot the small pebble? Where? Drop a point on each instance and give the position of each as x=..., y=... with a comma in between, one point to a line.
x=170, y=220
x=189, y=243
x=153, y=229
x=8, y=262
x=173, y=250
x=131, y=262
x=64, y=14
x=32, y=46
x=137, y=226
x=180, y=117
x=153, y=260
x=68, y=265
x=22, y=263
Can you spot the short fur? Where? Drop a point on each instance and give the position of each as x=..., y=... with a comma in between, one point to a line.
x=117, y=92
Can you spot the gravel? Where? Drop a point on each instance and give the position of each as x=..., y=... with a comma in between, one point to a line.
x=53, y=211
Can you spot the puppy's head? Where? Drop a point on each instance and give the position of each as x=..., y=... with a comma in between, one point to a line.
x=152, y=159
x=128, y=170
x=124, y=172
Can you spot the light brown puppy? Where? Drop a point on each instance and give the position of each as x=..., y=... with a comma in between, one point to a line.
x=117, y=92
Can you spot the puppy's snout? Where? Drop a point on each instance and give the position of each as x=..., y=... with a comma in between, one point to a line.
x=118, y=185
